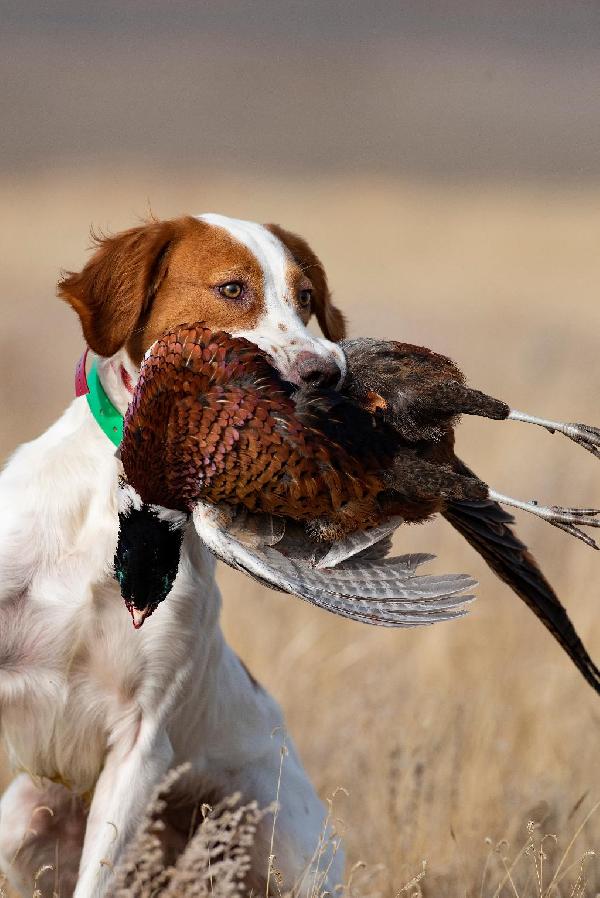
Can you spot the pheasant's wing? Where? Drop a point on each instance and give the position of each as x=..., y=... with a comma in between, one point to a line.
x=387, y=593
x=359, y=542
x=256, y=530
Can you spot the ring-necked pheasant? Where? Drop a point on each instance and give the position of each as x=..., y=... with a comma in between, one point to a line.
x=301, y=488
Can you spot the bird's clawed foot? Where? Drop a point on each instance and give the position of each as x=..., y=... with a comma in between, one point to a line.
x=567, y=519
x=582, y=434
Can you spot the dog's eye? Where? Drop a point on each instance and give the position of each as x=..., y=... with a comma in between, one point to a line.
x=305, y=299
x=232, y=290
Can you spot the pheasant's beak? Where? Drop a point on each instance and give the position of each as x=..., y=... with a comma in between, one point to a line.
x=138, y=617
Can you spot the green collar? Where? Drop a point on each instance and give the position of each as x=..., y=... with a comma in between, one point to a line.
x=108, y=417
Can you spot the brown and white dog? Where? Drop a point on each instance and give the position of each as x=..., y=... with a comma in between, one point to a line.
x=88, y=706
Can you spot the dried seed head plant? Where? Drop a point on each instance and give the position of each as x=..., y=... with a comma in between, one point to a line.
x=215, y=861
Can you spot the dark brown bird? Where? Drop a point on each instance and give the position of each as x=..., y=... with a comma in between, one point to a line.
x=420, y=394
x=294, y=485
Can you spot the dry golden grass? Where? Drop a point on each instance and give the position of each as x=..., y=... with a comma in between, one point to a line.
x=447, y=737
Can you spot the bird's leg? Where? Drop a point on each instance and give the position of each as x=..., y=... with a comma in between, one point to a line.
x=583, y=434
x=563, y=518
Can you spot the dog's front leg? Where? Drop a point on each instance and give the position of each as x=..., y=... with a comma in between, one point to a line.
x=128, y=779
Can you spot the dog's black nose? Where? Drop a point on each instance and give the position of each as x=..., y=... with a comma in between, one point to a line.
x=316, y=370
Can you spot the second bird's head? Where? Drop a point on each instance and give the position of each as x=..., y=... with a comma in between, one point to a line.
x=147, y=555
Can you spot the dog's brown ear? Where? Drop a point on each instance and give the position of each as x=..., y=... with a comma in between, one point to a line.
x=117, y=284
x=331, y=321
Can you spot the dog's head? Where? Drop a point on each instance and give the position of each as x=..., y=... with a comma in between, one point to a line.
x=256, y=281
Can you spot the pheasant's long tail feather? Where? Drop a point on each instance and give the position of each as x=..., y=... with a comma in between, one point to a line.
x=486, y=526
x=387, y=593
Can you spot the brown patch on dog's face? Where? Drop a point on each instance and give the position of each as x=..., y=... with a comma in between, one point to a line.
x=309, y=266
x=303, y=296
x=201, y=268
x=118, y=283
x=144, y=281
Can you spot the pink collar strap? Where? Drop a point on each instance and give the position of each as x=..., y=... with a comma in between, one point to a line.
x=81, y=382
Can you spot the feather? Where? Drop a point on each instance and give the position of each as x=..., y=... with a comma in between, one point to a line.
x=256, y=530
x=358, y=542
x=389, y=595
x=487, y=527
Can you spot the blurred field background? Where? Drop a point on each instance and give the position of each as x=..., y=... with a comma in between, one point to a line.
x=444, y=162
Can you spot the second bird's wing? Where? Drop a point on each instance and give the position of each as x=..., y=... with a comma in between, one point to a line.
x=386, y=592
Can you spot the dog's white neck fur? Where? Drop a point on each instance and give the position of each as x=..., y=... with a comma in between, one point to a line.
x=111, y=378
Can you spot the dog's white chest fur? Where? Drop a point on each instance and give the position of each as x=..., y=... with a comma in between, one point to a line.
x=70, y=681
x=73, y=670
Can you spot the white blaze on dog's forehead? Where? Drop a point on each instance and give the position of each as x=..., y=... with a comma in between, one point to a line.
x=280, y=315
x=270, y=253
x=274, y=260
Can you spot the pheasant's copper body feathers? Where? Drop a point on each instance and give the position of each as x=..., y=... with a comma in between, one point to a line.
x=211, y=420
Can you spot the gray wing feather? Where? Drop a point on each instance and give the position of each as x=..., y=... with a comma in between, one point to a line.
x=377, y=551
x=387, y=593
x=254, y=530
x=358, y=542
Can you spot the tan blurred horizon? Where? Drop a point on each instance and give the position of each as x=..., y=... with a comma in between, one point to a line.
x=467, y=90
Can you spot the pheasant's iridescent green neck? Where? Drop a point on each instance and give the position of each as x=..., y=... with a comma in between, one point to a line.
x=109, y=418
